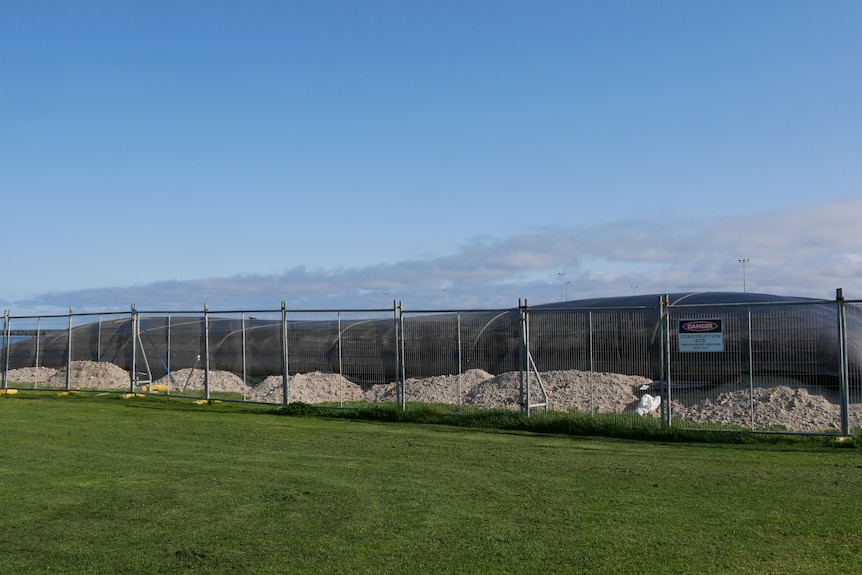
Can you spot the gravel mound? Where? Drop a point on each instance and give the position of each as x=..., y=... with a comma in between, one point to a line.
x=436, y=389
x=569, y=390
x=30, y=374
x=313, y=387
x=778, y=403
x=90, y=375
x=193, y=379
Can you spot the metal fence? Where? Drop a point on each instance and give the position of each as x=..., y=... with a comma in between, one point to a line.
x=782, y=367
x=769, y=367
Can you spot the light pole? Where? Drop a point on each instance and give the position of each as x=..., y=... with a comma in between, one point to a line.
x=743, y=262
x=634, y=290
x=561, y=274
x=567, y=290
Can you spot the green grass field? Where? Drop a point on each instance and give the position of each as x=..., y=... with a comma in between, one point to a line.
x=99, y=484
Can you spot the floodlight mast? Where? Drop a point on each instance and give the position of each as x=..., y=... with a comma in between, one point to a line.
x=743, y=262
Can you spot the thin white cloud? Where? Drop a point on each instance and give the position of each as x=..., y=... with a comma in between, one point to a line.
x=803, y=252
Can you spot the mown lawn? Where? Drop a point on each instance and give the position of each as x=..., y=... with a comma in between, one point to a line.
x=98, y=484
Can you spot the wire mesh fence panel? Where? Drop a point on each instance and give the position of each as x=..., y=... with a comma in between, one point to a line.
x=764, y=367
x=797, y=341
x=795, y=364
x=853, y=312
x=430, y=344
x=172, y=349
x=336, y=357
x=312, y=349
x=88, y=369
x=590, y=361
x=433, y=358
x=561, y=340
x=489, y=354
x=226, y=374
x=52, y=344
x=312, y=342
x=365, y=354
x=164, y=343
x=367, y=347
x=491, y=340
x=208, y=354
x=257, y=355
x=37, y=351
x=625, y=341
x=452, y=357
x=110, y=340
x=21, y=359
x=707, y=383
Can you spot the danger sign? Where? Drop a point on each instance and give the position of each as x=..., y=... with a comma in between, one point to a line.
x=699, y=335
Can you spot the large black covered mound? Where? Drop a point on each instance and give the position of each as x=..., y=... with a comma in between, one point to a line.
x=763, y=334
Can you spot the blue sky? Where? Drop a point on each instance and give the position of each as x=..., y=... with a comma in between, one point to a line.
x=445, y=154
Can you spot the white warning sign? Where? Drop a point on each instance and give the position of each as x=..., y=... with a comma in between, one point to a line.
x=700, y=335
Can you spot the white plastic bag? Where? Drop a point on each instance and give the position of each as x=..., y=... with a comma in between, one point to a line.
x=648, y=404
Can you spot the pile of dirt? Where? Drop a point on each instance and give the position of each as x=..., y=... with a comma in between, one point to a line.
x=34, y=375
x=189, y=379
x=566, y=390
x=569, y=390
x=436, y=389
x=772, y=403
x=82, y=375
x=313, y=387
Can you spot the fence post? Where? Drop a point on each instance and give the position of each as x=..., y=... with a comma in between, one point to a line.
x=664, y=320
x=402, y=375
x=244, y=358
x=6, y=334
x=168, y=352
x=285, y=373
x=751, y=370
x=338, y=342
x=843, y=386
x=38, y=340
x=592, y=364
x=133, y=328
x=69, y=353
x=460, y=365
x=206, y=351
x=398, y=323
x=523, y=365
